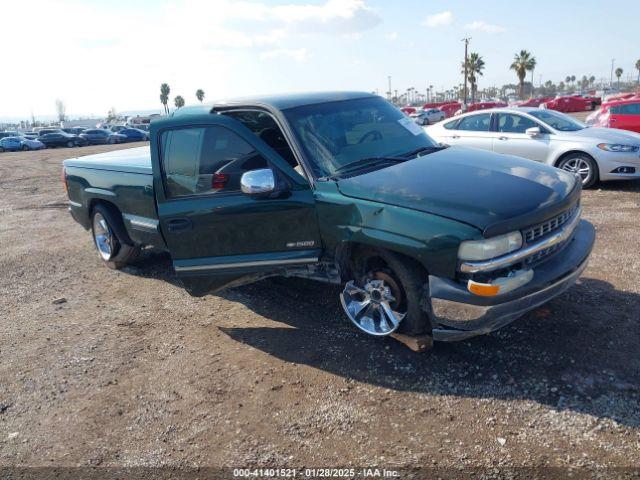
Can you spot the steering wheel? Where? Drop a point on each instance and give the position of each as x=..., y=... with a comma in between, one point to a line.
x=370, y=136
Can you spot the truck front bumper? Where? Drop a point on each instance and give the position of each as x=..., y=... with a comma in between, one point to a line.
x=459, y=314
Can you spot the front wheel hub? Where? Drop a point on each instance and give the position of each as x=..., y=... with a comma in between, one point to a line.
x=372, y=307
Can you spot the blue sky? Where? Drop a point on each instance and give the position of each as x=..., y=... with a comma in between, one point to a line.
x=116, y=53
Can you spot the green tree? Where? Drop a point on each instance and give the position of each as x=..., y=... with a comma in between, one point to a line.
x=638, y=68
x=200, y=95
x=573, y=79
x=164, y=96
x=523, y=62
x=592, y=80
x=619, y=73
x=178, y=101
x=475, y=66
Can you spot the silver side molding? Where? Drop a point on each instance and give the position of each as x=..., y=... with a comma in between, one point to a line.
x=255, y=263
x=141, y=223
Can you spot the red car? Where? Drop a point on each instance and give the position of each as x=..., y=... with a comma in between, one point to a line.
x=623, y=114
x=450, y=109
x=571, y=103
x=409, y=110
x=534, y=102
x=484, y=106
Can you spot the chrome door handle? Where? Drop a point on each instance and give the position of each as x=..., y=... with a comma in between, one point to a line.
x=503, y=138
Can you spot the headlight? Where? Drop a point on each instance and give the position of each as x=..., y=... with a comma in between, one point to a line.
x=490, y=247
x=617, y=147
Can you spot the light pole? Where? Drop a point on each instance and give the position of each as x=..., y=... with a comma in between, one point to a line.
x=390, y=91
x=611, y=79
x=464, y=94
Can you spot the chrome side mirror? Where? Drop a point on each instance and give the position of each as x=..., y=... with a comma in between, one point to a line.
x=258, y=182
x=533, y=131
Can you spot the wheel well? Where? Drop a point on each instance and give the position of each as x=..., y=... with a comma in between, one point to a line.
x=94, y=202
x=571, y=152
x=120, y=229
x=350, y=252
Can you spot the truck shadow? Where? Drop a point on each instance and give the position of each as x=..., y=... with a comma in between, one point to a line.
x=579, y=352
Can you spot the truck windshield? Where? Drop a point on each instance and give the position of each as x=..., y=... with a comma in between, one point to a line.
x=335, y=134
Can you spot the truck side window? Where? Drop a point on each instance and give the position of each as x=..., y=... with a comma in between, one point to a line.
x=205, y=160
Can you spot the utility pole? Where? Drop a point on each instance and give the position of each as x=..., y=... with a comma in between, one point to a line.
x=464, y=94
x=611, y=79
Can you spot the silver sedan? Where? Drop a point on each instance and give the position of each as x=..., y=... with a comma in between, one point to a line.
x=549, y=137
x=428, y=117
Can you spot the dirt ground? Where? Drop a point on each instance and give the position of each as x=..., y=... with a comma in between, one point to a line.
x=106, y=368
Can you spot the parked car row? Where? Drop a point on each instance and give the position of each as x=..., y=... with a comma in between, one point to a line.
x=68, y=137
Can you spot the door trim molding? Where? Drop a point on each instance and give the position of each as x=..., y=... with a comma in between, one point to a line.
x=255, y=263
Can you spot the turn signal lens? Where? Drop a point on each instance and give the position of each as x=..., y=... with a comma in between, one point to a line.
x=483, y=289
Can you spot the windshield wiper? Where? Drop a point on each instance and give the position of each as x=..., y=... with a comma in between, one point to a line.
x=368, y=161
x=424, y=150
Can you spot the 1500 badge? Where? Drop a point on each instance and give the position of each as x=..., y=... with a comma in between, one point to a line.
x=305, y=243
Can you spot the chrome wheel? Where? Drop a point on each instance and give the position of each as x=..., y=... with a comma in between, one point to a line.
x=579, y=167
x=103, y=237
x=373, y=307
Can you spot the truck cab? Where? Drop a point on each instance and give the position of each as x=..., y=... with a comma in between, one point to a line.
x=343, y=188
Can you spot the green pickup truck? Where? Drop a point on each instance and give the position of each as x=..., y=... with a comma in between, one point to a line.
x=427, y=241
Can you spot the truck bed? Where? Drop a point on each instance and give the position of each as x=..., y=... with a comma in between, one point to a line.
x=124, y=180
x=129, y=160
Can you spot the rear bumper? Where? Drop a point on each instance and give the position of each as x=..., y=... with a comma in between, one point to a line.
x=461, y=314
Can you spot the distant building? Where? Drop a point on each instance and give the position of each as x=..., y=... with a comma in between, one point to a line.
x=83, y=122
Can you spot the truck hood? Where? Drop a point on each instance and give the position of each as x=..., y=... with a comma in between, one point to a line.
x=598, y=135
x=495, y=193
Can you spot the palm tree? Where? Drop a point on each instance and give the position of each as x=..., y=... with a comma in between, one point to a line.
x=164, y=96
x=475, y=66
x=523, y=62
x=573, y=79
x=619, y=72
x=592, y=80
x=561, y=86
x=584, y=82
x=567, y=79
x=200, y=94
x=178, y=101
x=638, y=68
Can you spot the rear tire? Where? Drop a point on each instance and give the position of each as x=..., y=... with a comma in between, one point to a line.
x=70, y=144
x=404, y=278
x=25, y=148
x=115, y=248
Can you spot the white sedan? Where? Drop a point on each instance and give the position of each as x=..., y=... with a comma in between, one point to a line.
x=547, y=136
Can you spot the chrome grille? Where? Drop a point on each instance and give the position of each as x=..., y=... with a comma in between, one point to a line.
x=533, y=233
x=536, y=257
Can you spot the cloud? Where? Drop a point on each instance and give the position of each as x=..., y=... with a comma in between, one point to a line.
x=481, y=26
x=391, y=36
x=441, y=19
x=194, y=42
x=297, y=54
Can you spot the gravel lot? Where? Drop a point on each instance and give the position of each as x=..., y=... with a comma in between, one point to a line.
x=105, y=368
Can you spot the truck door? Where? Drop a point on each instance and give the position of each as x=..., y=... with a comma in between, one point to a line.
x=229, y=206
